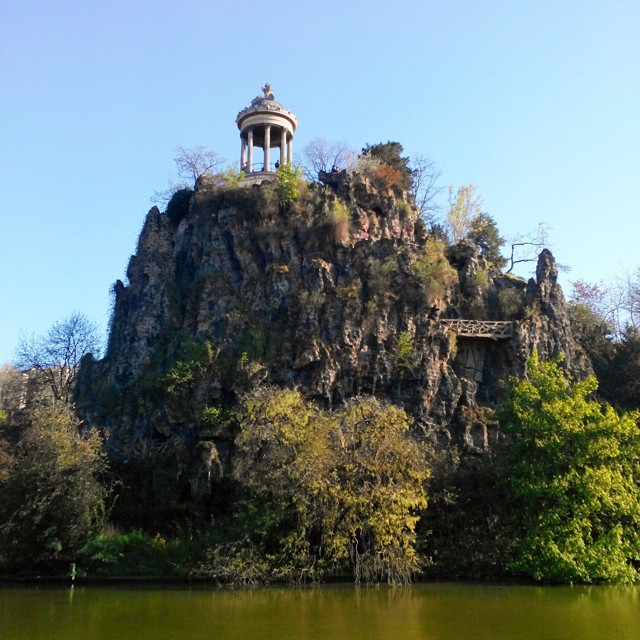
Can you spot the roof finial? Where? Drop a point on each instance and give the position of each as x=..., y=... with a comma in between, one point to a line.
x=268, y=94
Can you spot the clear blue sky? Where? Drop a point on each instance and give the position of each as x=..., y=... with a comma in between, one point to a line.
x=538, y=103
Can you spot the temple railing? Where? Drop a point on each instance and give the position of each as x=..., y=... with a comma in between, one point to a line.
x=258, y=167
x=492, y=329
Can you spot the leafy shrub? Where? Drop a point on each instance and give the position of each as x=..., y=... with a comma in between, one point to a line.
x=405, y=210
x=453, y=344
x=215, y=419
x=404, y=350
x=137, y=553
x=480, y=278
x=239, y=563
x=232, y=178
x=381, y=275
x=182, y=376
x=288, y=183
x=516, y=280
x=339, y=212
x=129, y=554
x=178, y=206
x=339, y=216
x=434, y=271
x=510, y=301
x=192, y=360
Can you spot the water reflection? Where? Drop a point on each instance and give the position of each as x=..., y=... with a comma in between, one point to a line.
x=425, y=612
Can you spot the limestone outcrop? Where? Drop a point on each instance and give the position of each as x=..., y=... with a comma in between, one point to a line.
x=339, y=293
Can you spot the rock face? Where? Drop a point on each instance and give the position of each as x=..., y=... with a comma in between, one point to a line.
x=339, y=293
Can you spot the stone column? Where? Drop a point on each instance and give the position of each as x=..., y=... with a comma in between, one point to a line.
x=283, y=147
x=267, y=146
x=290, y=151
x=243, y=153
x=250, y=152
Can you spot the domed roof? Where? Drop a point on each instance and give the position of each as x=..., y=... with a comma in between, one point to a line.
x=266, y=104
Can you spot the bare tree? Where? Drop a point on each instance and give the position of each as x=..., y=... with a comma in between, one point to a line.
x=526, y=247
x=590, y=295
x=55, y=356
x=621, y=305
x=425, y=175
x=321, y=155
x=195, y=162
x=191, y=163
x=630, y=285
x=617, y=301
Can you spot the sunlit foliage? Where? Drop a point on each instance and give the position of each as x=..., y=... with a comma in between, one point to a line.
x=433, y=270
x=334, y=491
x=51, y=499
x=288, y=183
x=573, y=477
x=465, y=211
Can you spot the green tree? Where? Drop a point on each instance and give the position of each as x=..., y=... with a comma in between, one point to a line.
x=572, y=474
x=51, y=499
x=593, y=333
x=282, y=461
x=621, y=378
x=381, y=476
x=332, y=491
x=485, y=235
x=390, y=153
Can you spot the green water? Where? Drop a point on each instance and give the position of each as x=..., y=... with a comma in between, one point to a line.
x=434, y=611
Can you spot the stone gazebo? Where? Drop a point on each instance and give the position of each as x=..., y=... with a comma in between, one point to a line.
x=265, y=123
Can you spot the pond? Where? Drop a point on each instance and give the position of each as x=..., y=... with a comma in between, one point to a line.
x=344, y=612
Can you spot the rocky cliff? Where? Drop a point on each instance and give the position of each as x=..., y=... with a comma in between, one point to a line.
x=339, y=292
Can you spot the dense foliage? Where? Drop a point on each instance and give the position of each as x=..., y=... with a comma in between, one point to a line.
x=394, y=169
x=51, y=499
x=433, y=270
x=178, y=205
x=289, y=183
x=330, y=492
x=573, y=479
x=621, y=377
x=485, y=235
x=613, y=348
